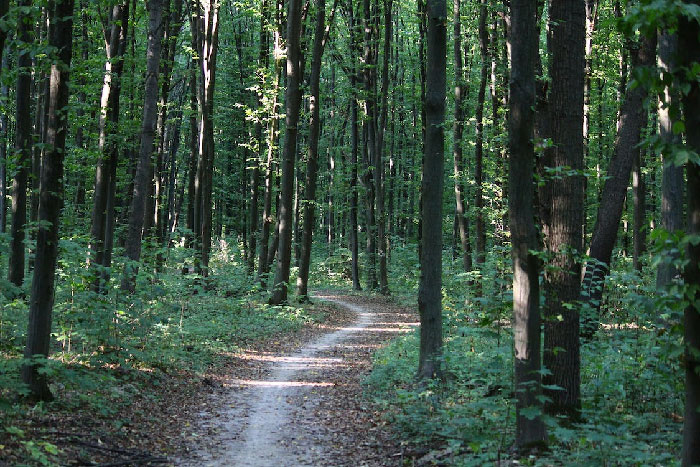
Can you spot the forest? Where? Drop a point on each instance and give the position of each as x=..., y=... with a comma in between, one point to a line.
x=441, y=233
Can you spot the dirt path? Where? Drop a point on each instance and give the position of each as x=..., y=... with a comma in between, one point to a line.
x=305, y=407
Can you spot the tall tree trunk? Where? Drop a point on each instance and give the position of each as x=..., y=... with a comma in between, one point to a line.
x=672, y=178
x=564, y=233
x=458, y=129
x=292, y=104
x=4, y=91
x=309, y=204
x=105, y=174
x=209, y=39
x=370, y=141
x=263, y=63
x=194, y=154
x=430, y=288
x=526, y=265
x=51, y=199
x=23, y=146
x=144, y=168
x=633, y=117
x=639, y=198
x=378, y=162
x=480, y=226
x=689, y=48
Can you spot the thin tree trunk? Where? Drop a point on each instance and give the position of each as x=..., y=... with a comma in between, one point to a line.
x=378, y=162
x=144, y=168
x=633, y=117
x=458, y=129
x=51, y=200
x=529, y=431
x=292, y=104
x=312, y=163
x=430, y=288
x=23, y=147
x=103, y=209
x=639, y=198
x=3, y=148
x=209, y=39
x=480, y=226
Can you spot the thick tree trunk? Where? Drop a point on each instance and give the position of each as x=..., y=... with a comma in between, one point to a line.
x=430, y=288
x=633, y=117
x=564, y=233
x=458, y=129
x=144, y=168
x=51, y=199
x=689, y=55
x=23, y=148
x=529, y=431
x=309, y=204
x=672, y=178
x=292, y=104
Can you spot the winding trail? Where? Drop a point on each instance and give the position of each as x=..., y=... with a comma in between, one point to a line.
x=305, y=408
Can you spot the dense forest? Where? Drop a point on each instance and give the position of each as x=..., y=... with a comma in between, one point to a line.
x=178, y=179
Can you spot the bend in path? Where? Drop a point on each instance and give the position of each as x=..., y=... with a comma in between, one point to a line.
x=307, y=410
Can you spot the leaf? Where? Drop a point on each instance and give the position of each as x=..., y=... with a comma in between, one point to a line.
x=678, y=127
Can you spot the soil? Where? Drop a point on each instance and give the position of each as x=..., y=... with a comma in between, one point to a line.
x=294, y=404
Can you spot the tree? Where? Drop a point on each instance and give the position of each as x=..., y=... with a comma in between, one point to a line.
x=526, y=265
x=563, y=233
x=430, y=287
x=320, y=38
x=23, y=144
x=292, y=104
x=480, y=226
x=689, y=48
x=633, y=118
x=672, y=175
x=206, y=22
x=50, y=200
x=457, y=130
x=102, y=227
x=144, y=166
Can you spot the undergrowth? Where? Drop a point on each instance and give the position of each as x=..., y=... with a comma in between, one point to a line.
x=632, y=384
x=111, y=350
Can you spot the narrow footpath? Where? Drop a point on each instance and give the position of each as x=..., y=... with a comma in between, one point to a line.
x=305, y=407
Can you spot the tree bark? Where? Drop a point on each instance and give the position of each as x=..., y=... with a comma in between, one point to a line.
x=564, y=234
x=144, y=168
x=292, y=104
x=430, y=287
x=689, y=56
x=529, y=431
x=633, y=117
x=378, y=162
x=309, y=204
x=51, y=200
x=457, y=130
x=672, y=177
x=480, y=228
x=105, y=174
x=23, y=147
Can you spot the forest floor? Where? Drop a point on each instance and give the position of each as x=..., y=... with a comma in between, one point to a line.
x=300, y=401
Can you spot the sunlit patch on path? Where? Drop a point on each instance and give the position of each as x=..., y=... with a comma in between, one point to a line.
x=288, y=411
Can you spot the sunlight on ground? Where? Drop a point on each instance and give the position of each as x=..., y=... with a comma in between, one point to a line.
x=279, y=384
